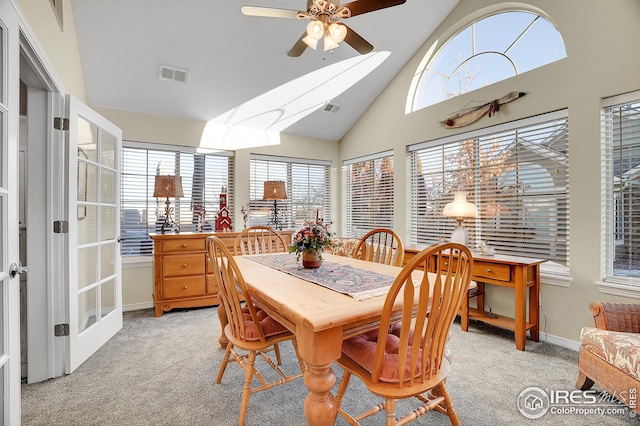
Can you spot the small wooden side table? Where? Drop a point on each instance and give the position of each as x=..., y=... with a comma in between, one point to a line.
x=519, y=273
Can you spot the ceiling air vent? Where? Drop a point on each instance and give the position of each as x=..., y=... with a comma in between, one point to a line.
x=332, y=108
x=168, y=73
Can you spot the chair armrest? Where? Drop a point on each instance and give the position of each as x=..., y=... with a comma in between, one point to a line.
x=623, y=317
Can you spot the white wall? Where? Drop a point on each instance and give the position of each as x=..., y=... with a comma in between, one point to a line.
x=603, y=57
x=601, y=38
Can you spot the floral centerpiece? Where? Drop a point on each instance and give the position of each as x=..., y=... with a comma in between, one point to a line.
x=309, y=242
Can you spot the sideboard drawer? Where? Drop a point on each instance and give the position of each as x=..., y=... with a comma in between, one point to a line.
x=184, y=264
x=494, y=271
x=175, y=288
x=183, y=245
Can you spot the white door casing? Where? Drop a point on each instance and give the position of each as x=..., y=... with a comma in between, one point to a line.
x=95, y=286
x=9, y=222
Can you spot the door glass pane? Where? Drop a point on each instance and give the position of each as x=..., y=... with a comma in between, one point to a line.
x=107, y=260
x=107, y=223
x=107, y=297
x=3, y=200
x=108, y=187
x=2, y=348
x=86, y=267
x=1, y=79
x=2, y=373
x=91, y=194
x=1, y=150
x=87, y=139
x=87, y=226
x=86, y=309
x=107, y=149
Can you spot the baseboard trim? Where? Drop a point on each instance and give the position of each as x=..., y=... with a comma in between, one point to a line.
x=560, y=341
x=137, y=306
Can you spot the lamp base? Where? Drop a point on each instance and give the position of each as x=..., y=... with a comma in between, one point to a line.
x=460, y=235
x=275, y=220
x=169, y=224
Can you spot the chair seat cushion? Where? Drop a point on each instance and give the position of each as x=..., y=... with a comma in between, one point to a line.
x=270, y=327
x=621, y=350
x=362, y=349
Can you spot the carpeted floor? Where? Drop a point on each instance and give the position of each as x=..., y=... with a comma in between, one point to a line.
x=161, y=371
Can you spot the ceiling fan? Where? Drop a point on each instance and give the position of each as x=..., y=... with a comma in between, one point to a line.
x=324, y=17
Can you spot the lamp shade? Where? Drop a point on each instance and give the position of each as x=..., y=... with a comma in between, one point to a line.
x=460, y=207
x=168, y=186
x=274, y=190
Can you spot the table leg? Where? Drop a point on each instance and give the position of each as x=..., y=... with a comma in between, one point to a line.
x=319, y=350
x=534, y=305
x=521, y=308
x=320, y=405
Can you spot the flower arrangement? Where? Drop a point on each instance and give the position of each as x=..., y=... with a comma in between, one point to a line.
x=313, y=237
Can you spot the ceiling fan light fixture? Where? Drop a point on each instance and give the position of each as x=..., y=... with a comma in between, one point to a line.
x=329, y=43
x=311, y=42
x=315, y=30
x=337, y=32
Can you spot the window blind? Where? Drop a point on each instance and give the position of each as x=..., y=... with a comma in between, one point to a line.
x=203, y=176
x=306, y=182
x=621, y=186
x=516, y=175
x=368, y=198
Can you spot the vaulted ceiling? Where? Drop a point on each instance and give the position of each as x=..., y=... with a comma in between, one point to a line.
x=238, y=69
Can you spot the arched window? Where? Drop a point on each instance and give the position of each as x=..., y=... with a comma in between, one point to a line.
x=489, y=50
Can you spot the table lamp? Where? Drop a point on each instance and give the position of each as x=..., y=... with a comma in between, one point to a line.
x=460, y=209
x=275, y=190
x=168, y=186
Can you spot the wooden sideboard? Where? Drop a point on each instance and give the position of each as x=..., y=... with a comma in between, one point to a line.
x=182, y=275
x=519, y=273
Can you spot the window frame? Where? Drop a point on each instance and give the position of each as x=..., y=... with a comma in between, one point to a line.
x=429, y=71
x=375, y=163
x=128, y=201
x=610, y=283
x=551, y=272
x=260, y=166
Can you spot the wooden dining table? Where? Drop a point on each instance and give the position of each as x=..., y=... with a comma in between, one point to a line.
x=321, y=319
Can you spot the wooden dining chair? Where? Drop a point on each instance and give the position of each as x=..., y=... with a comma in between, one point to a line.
x=259, y=240
x=380, y=245
x=249, y=328
x=406, y=360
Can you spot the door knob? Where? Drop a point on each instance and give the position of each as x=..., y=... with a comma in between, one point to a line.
x=17, y=268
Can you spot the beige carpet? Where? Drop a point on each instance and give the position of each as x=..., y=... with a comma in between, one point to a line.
x=161, y=371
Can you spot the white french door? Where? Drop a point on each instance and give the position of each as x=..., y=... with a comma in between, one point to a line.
x=9, y=224
x=95, y=285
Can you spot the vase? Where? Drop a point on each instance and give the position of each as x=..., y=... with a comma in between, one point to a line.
x=311, y=259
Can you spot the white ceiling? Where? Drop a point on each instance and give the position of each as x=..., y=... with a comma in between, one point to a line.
x=234, y=59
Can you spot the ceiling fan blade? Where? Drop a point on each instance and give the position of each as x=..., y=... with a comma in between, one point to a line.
x=360, y=7
x=269, y=12
x=356, y=41
x=299, y=47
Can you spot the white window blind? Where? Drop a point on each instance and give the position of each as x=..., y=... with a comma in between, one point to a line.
x=203, y=175
x=307, y=185
x=621, y=187
x=516, y=175
x=368, y=195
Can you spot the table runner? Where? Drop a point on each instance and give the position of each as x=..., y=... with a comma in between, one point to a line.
x=360, y=284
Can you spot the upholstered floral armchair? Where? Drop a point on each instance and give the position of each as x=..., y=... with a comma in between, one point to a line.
x=610, y=352
x=342, y=246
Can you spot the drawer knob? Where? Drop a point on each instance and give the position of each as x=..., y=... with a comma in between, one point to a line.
x=489, y=270
x=184, y=266
x=446, y=263
x=184, y=244
x=185, y=287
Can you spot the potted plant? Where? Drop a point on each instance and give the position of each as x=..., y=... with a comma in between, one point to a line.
x=309, y=242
